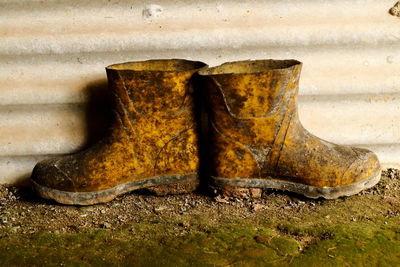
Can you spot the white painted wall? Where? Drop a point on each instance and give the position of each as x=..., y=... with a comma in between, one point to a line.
x=51, y=52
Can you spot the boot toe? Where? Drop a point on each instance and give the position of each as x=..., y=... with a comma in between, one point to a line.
x=48, y=173
x=365, y=166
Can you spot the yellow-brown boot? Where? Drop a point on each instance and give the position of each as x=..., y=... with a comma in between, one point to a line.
x=257, y=140
x=153, y=141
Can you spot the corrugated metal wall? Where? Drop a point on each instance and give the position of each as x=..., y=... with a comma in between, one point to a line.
x=52, y=53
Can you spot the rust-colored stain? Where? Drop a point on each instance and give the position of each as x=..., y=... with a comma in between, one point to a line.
x=154, y=135
x=257, y=140
x=395, y=10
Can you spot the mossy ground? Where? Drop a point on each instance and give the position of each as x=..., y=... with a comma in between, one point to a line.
x=195, y=230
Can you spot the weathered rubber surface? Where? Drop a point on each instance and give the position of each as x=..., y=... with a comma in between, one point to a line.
x=101, y=196
x=255, y=131
x=153, y=133
x=302, y=189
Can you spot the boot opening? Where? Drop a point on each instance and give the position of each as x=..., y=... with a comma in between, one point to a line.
x=159, y=65
x=250, y=66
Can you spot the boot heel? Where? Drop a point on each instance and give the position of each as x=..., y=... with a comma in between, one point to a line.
x=237, y=192
x=183, y=187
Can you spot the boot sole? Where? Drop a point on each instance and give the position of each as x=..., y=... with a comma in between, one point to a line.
x=251, y=187
x=161, y=185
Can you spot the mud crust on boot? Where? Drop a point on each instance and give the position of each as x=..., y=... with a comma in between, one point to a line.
x=234, y=186
x=169, y=184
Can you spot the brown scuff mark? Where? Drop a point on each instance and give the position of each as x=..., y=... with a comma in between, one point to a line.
x=395, y=10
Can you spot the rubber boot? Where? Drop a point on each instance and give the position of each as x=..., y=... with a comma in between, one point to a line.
x=258, y=142
x=152, y=143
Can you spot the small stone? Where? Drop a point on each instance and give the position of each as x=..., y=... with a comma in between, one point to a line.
x=15, y=229
x=185, y=224
x=220, y=199
x=103, y=211
x=257, y=207
x=107, y=225
x=182, y=210
x=255, y=192
x=160, y=208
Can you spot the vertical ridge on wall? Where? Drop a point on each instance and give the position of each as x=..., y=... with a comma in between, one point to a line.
x=53, y=54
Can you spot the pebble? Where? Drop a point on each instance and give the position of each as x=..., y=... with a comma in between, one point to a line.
x=257, y=207
x=160, y=208
x=107, y=225
x=185, y=224
x=220, y=199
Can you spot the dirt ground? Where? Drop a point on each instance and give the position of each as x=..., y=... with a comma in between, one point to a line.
x=139, y=229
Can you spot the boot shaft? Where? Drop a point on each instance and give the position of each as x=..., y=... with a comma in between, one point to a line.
x=250, y=106
x=155, y=113
x=253, y=89
x=153, y=87
x=249, y=100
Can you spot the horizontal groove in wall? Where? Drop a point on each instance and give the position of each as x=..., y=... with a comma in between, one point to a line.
x=388, y=154
x=17, y=169
x=205, y=39
x=116, y=27
x=41, y=130
x=68, y=19
x=104, y=7
x=48, y=79
x=68, y=93
x=51, y=129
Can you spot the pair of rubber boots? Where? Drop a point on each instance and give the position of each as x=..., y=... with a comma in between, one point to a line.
x=254, y=138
